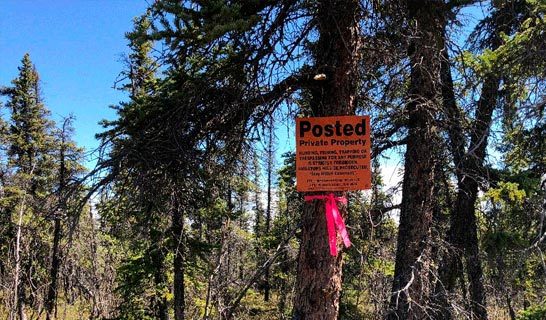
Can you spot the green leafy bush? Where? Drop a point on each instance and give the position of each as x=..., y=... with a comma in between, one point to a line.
x=536, y=312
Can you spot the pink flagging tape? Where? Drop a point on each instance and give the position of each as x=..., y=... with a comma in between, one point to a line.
x=333, y=220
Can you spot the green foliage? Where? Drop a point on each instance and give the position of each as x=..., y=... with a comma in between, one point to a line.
x=520, y=52
x=369, y=264
x=141, y=66
x=40, y=193
x=537, y=312
x=525, y=148
x=506, y=193
x=30, y=138
x=511, y=225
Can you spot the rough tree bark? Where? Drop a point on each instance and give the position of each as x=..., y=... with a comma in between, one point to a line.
x=336, y=54
x=469, y=170
x=463, y=230
x=411, y=285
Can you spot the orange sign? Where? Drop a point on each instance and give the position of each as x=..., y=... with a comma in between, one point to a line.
x=333, y=153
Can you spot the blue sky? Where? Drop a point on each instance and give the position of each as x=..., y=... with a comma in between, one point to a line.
x=77, y=48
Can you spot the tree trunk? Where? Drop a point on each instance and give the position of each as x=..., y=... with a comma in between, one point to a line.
x=318, y=282
x=18, y=288
x=270, y=164
x=51, y=297
x=96, y=306
x=55, y=263
x=178, y=238
x=463, y=231
x=411, y=286
x=464, y=236
x=451, y=267
x=18, y=292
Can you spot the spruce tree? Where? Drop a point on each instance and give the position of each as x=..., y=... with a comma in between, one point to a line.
x=412, y=281
x=30, y=137
x=138, y=215
x=68, y=196
x=141, y=74
x=31, y=168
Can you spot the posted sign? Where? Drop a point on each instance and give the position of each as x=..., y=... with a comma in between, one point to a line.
x=333, y=153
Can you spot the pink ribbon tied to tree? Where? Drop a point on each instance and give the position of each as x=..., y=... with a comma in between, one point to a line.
x=333, y=220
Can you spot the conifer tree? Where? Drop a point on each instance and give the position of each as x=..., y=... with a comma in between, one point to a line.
x=217, y=53
x=142, y=212
x=141, y=74
x=67, y=194
x=412, y=280
x=228, y=67
x=30, y=137
x=31, y=168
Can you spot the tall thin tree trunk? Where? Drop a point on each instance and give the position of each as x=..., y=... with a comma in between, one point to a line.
x=411, y=285
x=207, y=299
x=178, y=236
x=270, y=164
x=463, y=232
x=18, y=294
x=18, y=290
x=336, y=55
x=55, y=263
x=96, y=305
x=257, y=203
x=51, y=297
x=469, y=163
x=451, y=267
x=467, y=240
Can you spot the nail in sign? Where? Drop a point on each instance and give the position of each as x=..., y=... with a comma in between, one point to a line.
x=333, y=153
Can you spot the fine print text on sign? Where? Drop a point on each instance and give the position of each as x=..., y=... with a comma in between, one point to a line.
x=333, y=153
